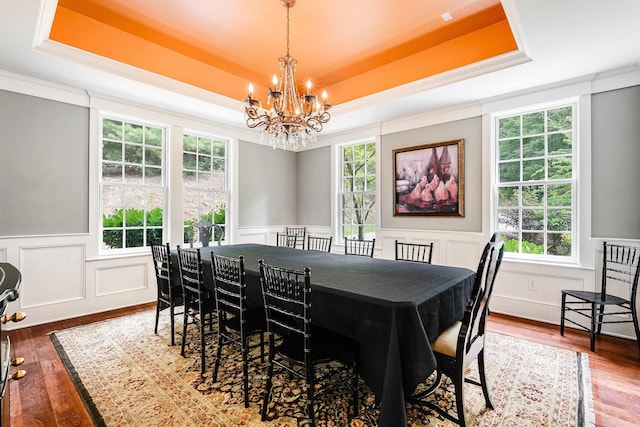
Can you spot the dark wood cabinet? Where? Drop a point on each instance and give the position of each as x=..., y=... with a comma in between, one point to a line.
x=10, y=279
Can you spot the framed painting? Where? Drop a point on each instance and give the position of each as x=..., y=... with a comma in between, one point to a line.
x=429, y=179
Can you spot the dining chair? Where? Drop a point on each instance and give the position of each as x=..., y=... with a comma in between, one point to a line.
x=414, y=252
x=236, y=324
x=287, y=240
x=287, y=300
x=463, y=342
x=199, y=303
x=169, y=293
x=319, y=244
x=620, y=269
x=359, y=247
x=301, y=232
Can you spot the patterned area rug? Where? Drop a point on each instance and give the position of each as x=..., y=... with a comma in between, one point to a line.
x=128, y=376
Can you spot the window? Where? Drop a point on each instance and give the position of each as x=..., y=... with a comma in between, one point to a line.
x=536, y=185
x=358, y=190
x=132, y=189
x=204, y=167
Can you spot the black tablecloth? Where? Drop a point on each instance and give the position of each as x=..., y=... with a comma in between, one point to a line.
x=394, y=310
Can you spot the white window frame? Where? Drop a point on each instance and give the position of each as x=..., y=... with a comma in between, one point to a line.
x=103, y=115
x=574, y=181
x=224, y=189
x=339, y=181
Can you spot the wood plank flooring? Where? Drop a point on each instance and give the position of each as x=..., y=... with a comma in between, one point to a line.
x=47, y=397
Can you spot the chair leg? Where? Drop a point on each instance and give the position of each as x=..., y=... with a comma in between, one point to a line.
x=245, y=371
x=173, y=323
x=157, y=317
x=185, y=322
x=309, y=384
x=600, y=316
x=634, y=317
x=202, y=345
x=267, y=387
x=593, y=327
x=562, y=313
x=216, y=366
x=483, y=380
x=459, y=390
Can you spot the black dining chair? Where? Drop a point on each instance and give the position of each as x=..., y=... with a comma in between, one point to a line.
x=169, y=293
x=463, y=342
x=414, y=252
x=287, y=300
x=236, y=324
x=301, y=232
x=319, y=244
x=620, y=268
x=359, y=247
x=199, y=303
x=287, y=240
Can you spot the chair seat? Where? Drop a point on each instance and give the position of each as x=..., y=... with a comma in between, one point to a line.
x=596, y=297
x=326, y=346
x=254, y=321
x=447, y=342
x=208, y=305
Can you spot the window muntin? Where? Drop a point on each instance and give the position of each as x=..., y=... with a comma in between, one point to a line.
x=132, y=188
x=536, y=182
x=357, y=196
x=204, y=168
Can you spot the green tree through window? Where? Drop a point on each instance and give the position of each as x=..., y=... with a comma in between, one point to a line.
x=536, y=181
x=358, y=188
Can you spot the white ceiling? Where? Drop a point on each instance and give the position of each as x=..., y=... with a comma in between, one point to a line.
x=559, y=40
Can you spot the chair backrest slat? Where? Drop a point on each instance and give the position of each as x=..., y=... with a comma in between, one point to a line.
x=191, y=272
x=163, y=267
x=287, y=300
x=359, y=247
x=320, y=244
x=287, y=240
x=620, y=264
x=298, y=231
x=229, y=284
x=473, y=322
x=414, y=252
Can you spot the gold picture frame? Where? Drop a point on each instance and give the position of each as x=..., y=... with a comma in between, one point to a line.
x=429, y=179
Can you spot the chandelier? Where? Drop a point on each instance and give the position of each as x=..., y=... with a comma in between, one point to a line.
x=290, y=119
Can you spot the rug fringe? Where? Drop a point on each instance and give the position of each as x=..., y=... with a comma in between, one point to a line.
x=589, y=416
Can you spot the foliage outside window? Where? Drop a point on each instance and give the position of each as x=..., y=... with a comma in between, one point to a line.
x=358, y=190
x=132, y=184
x=204, y=166
x=536, y=182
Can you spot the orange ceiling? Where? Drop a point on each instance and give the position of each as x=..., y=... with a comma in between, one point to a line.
x=350, y=48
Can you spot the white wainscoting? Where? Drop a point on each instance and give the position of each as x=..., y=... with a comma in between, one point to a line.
x=51, y=275
x=121, y=279
x=59, y=282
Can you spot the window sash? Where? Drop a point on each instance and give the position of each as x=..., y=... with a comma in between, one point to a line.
x=529, y=207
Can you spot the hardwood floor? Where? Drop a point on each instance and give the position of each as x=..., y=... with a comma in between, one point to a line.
x=46, y=396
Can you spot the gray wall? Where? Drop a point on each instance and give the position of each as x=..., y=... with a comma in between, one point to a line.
x=471, y=131
x=267, y=186
x=44, y=166
x=314, y=187
x=615, y=172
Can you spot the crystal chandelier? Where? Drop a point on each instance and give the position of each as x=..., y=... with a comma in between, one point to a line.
x=290, y=119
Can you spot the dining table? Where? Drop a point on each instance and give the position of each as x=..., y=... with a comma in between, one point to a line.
x=393, y=309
